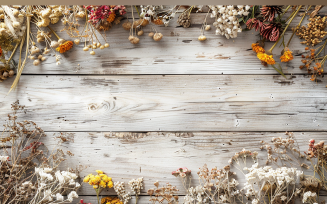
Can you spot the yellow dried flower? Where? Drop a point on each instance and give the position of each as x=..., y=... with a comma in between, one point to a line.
x=266, y=58
x=111, y=200
x=110, y=184
x=86, y=179
x=287, y=56
x=95, y=186
x=256, y=48
x=102, y=184
x=99, y=171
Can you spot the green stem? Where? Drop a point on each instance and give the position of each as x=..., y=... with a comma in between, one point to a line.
x=288, y=7
x=13, y=52
x=280, y=37
x=137, y=11
x=297, y=27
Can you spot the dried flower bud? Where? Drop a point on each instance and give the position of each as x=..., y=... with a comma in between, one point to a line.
x=127, y=25
x=141, y=32
x=106, y=45
x=36, y=62
x=77, y=41
x=86, y=49
x=133, y=39
x=11, y=73
x=202, y=38
x=208, y=27
x=157, y=37
x=151, y=34
x=102, y=47
x=92, y=53
x=54, y=44
x=5, y=74
x=61, y=41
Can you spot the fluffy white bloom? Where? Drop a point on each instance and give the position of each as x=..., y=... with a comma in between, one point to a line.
x=47, y=170
x=308, y=195
x=71, y=196
x=47, y=195
x=60, y=177
x=227, y=22
x=59, y=197
x=45, y=176
x=4, y=158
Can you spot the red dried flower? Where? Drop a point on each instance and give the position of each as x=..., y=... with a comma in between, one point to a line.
x=271, y=31
x=253, y=23
x=268, y=12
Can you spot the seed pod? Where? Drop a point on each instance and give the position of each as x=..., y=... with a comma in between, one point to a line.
x=11, y=73
x=86, y=49
x=157, y=37
x=36, y=62
x=92, y=53
x=133, y=40
x=127, y=25
x=5, y=74
x=61, y=41
x=77, y=41
x=140, y=33
x=106, y=45
x=207, y=27
x=202, y=38
x=102, y=47
x=151, y=34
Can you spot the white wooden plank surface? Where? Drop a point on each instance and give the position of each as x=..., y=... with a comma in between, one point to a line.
x=154, y=155
x=171, y=103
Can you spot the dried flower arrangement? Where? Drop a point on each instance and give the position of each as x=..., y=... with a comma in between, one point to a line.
x=28, y=173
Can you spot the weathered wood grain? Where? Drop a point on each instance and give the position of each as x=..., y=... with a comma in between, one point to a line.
x=154, y=155
x=171, y=103
x=179, y=52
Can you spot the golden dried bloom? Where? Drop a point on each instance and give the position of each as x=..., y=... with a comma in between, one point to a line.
x=256, y=48
x=65, y=46
x=287, y=56
x=111, y=17
x=266, y=58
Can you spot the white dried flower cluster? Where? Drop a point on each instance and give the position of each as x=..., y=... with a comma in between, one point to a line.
x=148, y=11
x=4, y=158
x=227, y=22
x=196, y=194
x=50, y=15
x=136, y=185
x=259, y=176
x=50, y=183
x=13, y=24
x=120, y=190
x=308, y=195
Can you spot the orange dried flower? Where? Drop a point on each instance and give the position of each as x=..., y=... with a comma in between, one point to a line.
x=287, y=56
x=111, y=17
x=318, y=64
x=65, y=46
x=256, y=48
x=266, y=58
x=312, y=77
x=306, y=48
x=157, y=21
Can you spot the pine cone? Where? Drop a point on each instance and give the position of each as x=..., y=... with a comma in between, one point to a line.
x=184, y=20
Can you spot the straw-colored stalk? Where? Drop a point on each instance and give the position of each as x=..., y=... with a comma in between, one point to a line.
x=20, y=64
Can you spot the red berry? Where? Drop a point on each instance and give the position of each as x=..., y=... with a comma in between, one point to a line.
x=81, y=201
x=312, y=141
